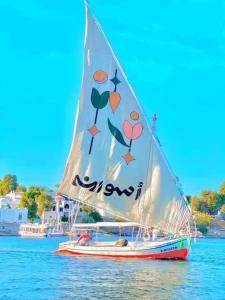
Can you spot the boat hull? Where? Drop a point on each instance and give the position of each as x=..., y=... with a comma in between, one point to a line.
x=172, y=249
x=33, y=235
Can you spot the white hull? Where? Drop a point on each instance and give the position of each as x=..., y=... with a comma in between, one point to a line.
x=30, y=234
x=168, y=249
x=33, y=230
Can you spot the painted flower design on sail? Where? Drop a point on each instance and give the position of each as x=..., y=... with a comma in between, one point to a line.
x=131, y=132
x=100, y=101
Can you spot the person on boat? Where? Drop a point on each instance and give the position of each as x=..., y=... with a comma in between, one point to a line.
x=121, y=243
x=84, y=239
x=146, y=236
x=155, y=233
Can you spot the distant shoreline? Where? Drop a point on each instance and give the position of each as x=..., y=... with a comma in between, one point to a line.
x=212, y=237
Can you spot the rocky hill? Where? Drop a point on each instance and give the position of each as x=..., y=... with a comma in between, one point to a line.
x=217, y=228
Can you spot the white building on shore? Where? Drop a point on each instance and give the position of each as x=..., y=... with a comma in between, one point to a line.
x=10, y=215
x=66, y=209
x=11, y=200
x=10, y=220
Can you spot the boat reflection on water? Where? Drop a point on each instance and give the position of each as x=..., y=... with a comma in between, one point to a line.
x=32, y=271
x=116, y=279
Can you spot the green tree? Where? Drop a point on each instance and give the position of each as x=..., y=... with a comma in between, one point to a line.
x=203, y=220
x=28, y=201
x=87, y=208
x=37, y=188
x=211, y=201
x=195, y=203
x=36, y=200
x=223, y=209
x=44, y=203
x=21, y=188
x=8, y=184
x=222, y=212
x=222, y=189
x=96, y=216
x=222, y=193
x=93, y=213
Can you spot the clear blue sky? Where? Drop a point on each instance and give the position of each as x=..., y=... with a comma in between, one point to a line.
x=172, y=51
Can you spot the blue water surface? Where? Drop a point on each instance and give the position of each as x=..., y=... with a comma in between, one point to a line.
x=29, y=269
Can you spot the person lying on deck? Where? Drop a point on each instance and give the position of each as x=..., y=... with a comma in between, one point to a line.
x=121, y=243
x=84, y=239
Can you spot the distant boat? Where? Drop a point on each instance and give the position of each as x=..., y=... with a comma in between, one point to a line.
x=33, y=230
x=117, y=164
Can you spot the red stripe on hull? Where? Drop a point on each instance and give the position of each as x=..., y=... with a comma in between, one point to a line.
x=177, y=254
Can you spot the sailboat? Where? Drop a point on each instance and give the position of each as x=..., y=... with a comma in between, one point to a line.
x=117, y=164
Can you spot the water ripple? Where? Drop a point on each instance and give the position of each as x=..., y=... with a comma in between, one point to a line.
x=30, y=270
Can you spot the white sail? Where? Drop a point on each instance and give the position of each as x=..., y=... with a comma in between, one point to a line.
x=115, y=162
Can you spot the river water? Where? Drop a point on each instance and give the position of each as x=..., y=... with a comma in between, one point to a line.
x=29, y=270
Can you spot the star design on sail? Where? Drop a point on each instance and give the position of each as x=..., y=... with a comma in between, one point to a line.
x=115, y=80
x=128, y=158
x=94, y=130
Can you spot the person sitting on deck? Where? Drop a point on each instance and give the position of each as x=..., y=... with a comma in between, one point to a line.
x=84, y=239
